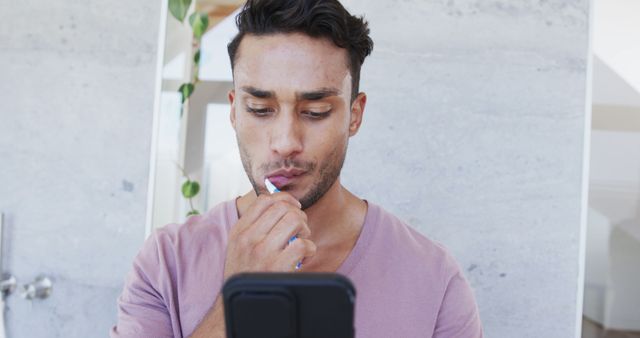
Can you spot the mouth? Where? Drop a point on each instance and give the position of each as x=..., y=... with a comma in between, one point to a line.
x=283, y=177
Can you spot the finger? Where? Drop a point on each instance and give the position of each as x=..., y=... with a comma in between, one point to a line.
x=299, y=250
x=260, y=206
x=291, y=224
x=287, y=197
x=260, y=229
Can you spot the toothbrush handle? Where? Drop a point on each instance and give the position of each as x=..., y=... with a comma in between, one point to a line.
x=293, y=238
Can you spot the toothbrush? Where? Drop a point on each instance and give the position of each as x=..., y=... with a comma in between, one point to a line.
x=272, y=190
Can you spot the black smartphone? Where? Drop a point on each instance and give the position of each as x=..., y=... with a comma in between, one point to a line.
x=289, y=305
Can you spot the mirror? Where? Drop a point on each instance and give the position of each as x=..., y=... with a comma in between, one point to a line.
x=474, y=134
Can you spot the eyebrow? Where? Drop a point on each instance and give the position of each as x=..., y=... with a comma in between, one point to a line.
x=259, y=93
x=313, y=95
x=317, y=94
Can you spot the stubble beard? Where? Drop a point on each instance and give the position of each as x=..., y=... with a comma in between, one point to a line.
x=328, y=172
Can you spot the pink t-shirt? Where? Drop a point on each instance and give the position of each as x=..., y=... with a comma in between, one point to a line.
x=406, y=285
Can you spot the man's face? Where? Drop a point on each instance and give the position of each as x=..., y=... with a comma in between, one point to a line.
x=291, y=111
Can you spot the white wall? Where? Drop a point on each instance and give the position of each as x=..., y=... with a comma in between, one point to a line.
x=473, y=133
x=76, y=105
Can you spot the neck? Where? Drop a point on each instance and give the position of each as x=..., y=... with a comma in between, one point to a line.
x=336, y=216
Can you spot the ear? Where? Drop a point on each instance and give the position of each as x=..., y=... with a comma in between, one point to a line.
x=232, y=114
x=357, y=110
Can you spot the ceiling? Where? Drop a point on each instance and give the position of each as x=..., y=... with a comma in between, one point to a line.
x=218, y=9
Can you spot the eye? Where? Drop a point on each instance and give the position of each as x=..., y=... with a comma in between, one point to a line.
x=316, y=115
x=259, y=112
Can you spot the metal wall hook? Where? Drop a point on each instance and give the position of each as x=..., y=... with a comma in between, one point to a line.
x=7, y=285
x=7, y=282
x=40, y=288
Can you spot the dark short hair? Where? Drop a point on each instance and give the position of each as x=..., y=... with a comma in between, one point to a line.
x=315, y=18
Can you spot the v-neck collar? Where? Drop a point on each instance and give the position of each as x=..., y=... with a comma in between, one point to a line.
x=359, y=249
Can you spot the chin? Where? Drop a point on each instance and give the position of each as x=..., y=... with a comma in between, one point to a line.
x=294, y=191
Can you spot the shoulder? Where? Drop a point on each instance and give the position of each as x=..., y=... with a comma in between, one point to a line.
x=198, y=229
x=173, y=243
x=428, y=270
x=175, y=260
x=413, y=247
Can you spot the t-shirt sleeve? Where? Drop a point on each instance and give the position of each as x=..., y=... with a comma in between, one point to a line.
x=458, y=315
x=142, y=311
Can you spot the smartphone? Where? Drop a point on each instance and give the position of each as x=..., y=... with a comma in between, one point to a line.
x=289, y=305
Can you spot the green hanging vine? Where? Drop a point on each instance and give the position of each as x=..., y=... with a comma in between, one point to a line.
x=190, y=189
x=199, y=22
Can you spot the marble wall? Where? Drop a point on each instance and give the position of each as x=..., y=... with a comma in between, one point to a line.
x=76, y=105
x=473, y=134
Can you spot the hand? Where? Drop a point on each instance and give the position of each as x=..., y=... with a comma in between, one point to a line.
x=259, y=241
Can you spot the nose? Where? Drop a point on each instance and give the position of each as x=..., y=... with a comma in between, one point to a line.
x=286, y=135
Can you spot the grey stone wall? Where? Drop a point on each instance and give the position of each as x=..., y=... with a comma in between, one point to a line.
x=473, y=134
x=76, y=107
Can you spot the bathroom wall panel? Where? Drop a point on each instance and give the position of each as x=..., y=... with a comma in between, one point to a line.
x=76, y=93
x=473, y=134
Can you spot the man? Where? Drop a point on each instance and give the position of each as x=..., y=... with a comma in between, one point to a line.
x=294, y=106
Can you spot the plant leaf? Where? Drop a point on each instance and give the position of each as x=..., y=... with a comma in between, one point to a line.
x=190, y=189
x=186, y=89
x=196, y=57
x=199, y=22
x=193, y=212
x=179, y=8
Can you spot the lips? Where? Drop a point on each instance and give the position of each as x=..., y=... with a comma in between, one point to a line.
x=283, y=177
